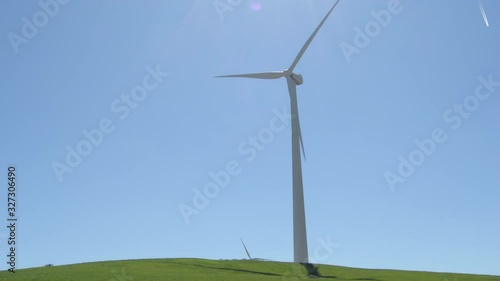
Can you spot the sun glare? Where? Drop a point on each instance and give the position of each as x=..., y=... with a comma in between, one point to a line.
x=255, y=6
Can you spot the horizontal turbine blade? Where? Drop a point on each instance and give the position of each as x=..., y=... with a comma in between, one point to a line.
x=304, y=48
x=263, y=75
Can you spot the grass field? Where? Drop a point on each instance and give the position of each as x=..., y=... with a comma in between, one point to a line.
x=215, y=270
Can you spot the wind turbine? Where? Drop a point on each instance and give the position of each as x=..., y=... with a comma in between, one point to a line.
x=300, y=253
x=248, y=253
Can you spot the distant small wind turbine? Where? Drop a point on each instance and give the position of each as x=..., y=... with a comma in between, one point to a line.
x=248, y=254
x=293, y=80
x=246, y=250
x=484, y=14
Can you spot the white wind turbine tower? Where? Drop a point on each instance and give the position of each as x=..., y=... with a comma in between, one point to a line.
x=294, y=79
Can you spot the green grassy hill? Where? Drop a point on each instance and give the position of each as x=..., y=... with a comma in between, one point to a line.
x=212, y=270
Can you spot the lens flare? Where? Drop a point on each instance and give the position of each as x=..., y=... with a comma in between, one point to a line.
x=255, y=6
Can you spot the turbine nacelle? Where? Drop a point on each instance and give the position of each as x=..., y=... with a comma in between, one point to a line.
x=297, y=78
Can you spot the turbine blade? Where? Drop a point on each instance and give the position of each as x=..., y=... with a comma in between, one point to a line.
x=304, y=48
x=292, y=89
x=301, y=141
x=248, y=254
x=484, y=14
x=263, y=75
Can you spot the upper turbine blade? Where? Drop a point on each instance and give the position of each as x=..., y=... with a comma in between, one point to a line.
x=484, y=14
x=263, y=75
x=304, y=48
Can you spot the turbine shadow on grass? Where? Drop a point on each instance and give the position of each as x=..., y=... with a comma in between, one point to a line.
x=354, y=279
x=230, y=269
x=255, y=272
x=313, y=272
x=307, y=267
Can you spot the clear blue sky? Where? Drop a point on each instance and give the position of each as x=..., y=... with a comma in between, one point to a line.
x=122, y=201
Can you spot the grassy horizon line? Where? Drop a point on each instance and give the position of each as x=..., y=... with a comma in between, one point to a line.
x=181, y=269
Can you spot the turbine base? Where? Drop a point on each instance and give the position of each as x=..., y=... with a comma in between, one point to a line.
x=312, y=271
